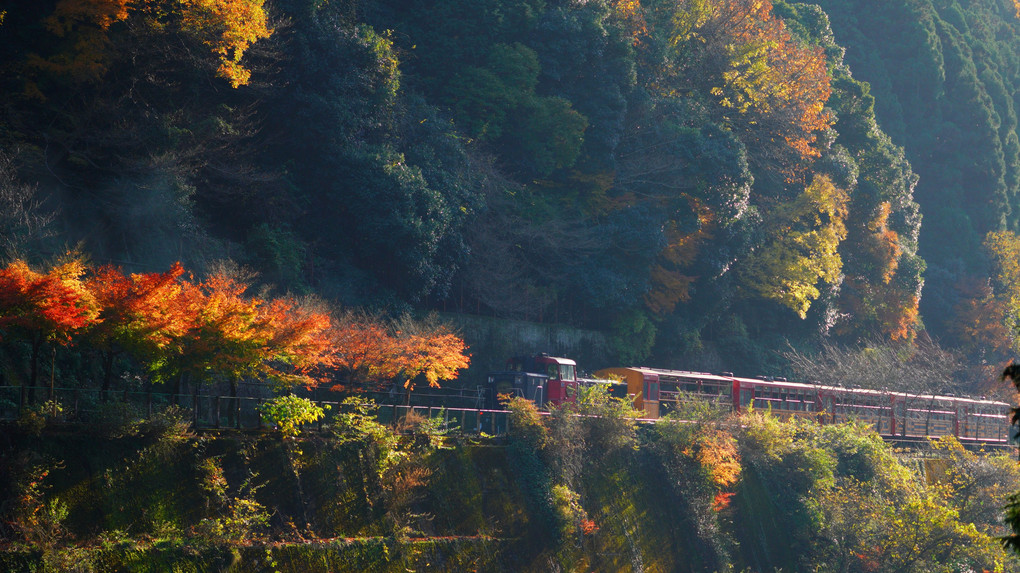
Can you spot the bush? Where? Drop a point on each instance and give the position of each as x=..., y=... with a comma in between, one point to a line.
x=115, y=420
x=289, y=413
x=526, y=427
x=33, y=419
x=170, y=425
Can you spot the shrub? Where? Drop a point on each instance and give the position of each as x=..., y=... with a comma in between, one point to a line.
x=289, y=413
x=115, y=420
x=526, y=427
x=34, y=418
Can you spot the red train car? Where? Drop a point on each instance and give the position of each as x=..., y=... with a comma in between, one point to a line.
x=893, y=414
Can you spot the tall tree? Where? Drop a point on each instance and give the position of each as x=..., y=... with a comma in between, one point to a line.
x=44, y=307
x=802, y=251
x=138, y=313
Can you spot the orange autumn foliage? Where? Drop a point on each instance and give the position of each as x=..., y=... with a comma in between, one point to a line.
x=435, y=356
x=44, y=307
x=213, y=330
x=233, y=336
x=630, y=14
x=137, y=310
x=898, y=315
x=226, y=27
x=882, y=244
x=669, y=284
x=982, y=318
x=370, y=351
x=48, y=306
x=715, y=453
x=301, y=343
x=756, y=68
x=362, y=344
x=226, y=334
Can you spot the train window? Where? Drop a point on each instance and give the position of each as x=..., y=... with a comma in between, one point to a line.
x=746, y=395
x=567, y=372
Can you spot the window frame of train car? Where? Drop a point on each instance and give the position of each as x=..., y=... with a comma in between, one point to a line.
x=701, y=386
x=806, y=400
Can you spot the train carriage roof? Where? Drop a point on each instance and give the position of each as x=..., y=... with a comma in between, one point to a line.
x=687, y=374
x=802, y=386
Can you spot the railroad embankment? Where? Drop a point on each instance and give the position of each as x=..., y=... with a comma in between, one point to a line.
x=562, y=493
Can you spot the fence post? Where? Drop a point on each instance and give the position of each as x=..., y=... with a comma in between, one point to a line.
x=237, y=413
x=217, y=412
x=258, y=411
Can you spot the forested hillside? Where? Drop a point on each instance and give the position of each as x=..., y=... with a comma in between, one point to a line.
x=702, y=180
x=561, y=493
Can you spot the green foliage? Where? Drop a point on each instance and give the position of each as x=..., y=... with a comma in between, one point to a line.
x=633, y=336
x=938, y=72
x=34, y=418
x=607, y=422
x=115, y=419
x=355, y=427
x=170, y=426
x=651, y=169
x=804, y=252
x=280, y=254
x=547, y=136
x=243, y=519
x=33, y=518
x=701, y=467
x=572, y=517
x=699, y=493
x=526, y=427
x=289, y=413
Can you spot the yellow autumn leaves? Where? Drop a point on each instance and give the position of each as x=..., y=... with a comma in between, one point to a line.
x=227, y=27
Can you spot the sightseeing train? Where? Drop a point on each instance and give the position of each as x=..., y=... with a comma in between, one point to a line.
x=550, y=380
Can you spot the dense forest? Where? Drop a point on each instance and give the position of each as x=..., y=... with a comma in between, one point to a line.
x=709, y=182
x=571, y=493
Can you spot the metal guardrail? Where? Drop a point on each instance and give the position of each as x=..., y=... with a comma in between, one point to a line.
x=210, y=411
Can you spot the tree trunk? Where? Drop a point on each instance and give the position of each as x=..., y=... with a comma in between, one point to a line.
x=176, y=388
x=53, y=379
x=107, y=373
x=232, y=404
x=33, y=375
